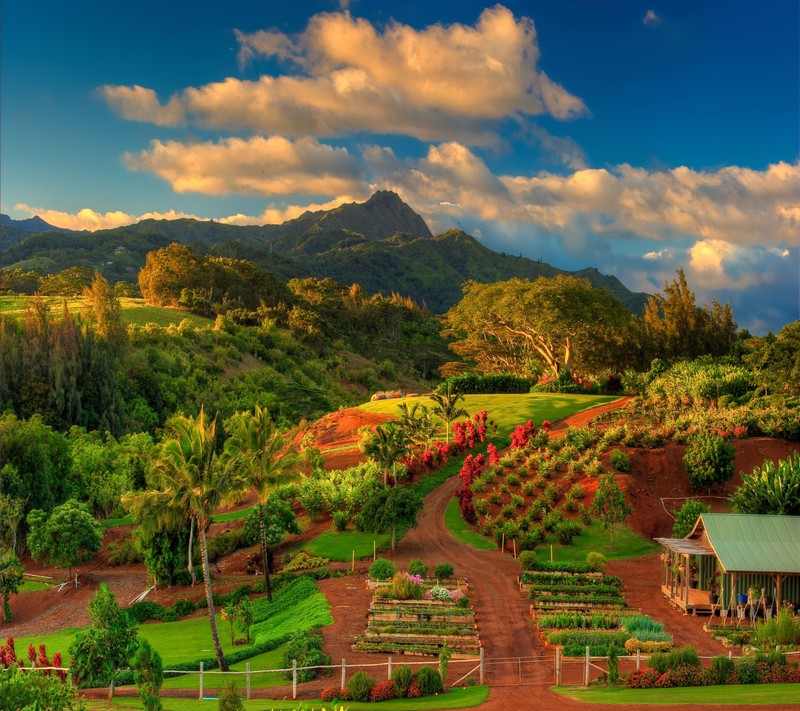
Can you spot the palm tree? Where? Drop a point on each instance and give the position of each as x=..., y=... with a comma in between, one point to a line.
x=188, y=483
x=385, y=447
x=447, y=407
x=265, y=461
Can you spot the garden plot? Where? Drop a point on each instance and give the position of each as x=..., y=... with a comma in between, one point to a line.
x=579, y=610
x=410, y=615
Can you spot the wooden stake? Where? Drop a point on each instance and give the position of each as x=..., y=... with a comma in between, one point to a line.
x=374, y=549
x=353, y=564
x=515, y=549
x=551, y=552
x=503, y=542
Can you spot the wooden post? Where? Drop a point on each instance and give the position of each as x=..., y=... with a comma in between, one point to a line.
x=353, y=564
x=730, y=654
x=200, y=693
x=374, y=549
x=343, y=673
x=111, y=687
x=638, y=659
x=551, y=552
x=389, y=668
x=515, y=548
x=503, y=542
x=482, y=673
x=247, y=669
x=519, y=668
x=294, y=678
x=558, y=666
x=586, y=669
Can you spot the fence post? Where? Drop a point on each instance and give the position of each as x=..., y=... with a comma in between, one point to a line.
x=638, y=659
x=343, y=673
x=200, y=695
x=111, y=687
x=247, y=669
x=483, y=666
x=586, y=670
x=558, y=666
x=294, y=678
x=730, y=654
x=389, y=668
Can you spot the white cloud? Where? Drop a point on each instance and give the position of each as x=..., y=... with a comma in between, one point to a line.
x=440, y=82
x=254, y=166
x=651, y=19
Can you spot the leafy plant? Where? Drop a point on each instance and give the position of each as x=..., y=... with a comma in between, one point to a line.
x=620, y=460
x=709, y=460
x=360, y=685
x=382, y=569
x=417, y=567
x=770, y=489
x=443, y=570
x=429, y=681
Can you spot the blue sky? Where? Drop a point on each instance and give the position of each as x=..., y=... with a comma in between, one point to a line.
x=638, y=137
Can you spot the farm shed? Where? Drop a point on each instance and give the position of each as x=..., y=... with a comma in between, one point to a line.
x=726, y=556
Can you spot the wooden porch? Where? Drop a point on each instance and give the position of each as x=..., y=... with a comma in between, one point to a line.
x=692, y=601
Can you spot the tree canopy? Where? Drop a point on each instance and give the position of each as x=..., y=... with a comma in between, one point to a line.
x=517, y=326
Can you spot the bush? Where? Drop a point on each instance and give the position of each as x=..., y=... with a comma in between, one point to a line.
x=183, y=607
x=443, y=570
x=405, y=588
x=620, y=461
x=360, y=686
x=721, y=669
x=417, y=567
x=429, y=681
x=340, y=519
x=596, y=561
x=500, y=383
x=229, y=699
x=527, y=560
x=306, y=647
x=686, y=518
x=633, y=645
x=746, y=670
x=331, y=693
x=784, y=628
x=709, y=460
x=401, y=676
x=770, y=489
x=383, y=691
x=382, y=569
x=566, y=531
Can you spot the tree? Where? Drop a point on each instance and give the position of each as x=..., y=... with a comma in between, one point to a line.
x=417, y=423
x=387, y=508
x=103, y=306
x=610, y=504
x=770, y=489
x=11, y=575
x=25, y=690
x=148, y=673
x=267, y=461
x=279, y=519
x=559, y=322
x=709, y=460
x=107, y=645
x=686, y=518
x=385, y=446
x=447, y=407
x=11, y=515
x=189, y=485
x=67, y=537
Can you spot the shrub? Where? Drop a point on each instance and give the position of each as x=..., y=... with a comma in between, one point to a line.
x=596, y=561
x=401, y=676
x=784, y=628
x=405, y=587
x=382, y=691
x=429, y=681
x=417, y=567
x=566, y=531
x=306, y=647
x=360, y=686
x=686, y=518
x=746, y=670
x=382, y=569
x=620, y=461
x=721, y=669
x=709, y=460
x=770, y=489
x=443, y=570
x=340, y=519
x=644, y=679
x=331, y=693
x=229, y=699
x=527, y=560
x=183, y=607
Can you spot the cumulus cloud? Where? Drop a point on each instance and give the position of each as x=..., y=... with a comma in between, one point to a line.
x=254, y=166
x=440, y=82
x=651, y=19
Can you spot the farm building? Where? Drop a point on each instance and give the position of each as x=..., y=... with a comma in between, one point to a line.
x=745, y=564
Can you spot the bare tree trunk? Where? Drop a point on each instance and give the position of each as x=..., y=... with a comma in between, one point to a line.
x=191, y=561
x=267, y=584
x=394, y=531
x=223, y=665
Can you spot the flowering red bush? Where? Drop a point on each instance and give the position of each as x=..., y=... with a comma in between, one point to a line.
x=330, y=693
x=546, y=426
x=494, y=457
x=8, y=653
x=521, y=434
x=414, y=692
x=344, y=694
x=685, y=675
x=383, y=691
x=644, y=679
x=37, y=657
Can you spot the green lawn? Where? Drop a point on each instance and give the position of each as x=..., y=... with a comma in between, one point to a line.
x=339, y=545
x=461, y=530
x=627, y=544
x=731, y=695
x=507, y=410
x=31, y=585
x=217, y=518
x=454, y=699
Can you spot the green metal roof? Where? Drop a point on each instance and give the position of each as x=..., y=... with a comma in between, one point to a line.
x=754, y=543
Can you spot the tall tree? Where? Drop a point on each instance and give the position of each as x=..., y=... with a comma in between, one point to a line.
x=559, y=322
x=388, y=508
x=11, y=577
x=385, y=446
x=447, y=407
x=610, y=504
x=267, y=461
x=190, y=485
x=103, y=306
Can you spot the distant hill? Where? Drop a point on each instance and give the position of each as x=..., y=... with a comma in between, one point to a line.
x=381, y=244
x=15, y=231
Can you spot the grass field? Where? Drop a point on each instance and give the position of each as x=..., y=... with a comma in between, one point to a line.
x=729, y=695
x=133, y=311
x=507, y=410
x=453, y=699
x=627, y=544
x=339, y=545
x=32, y=585
x=461, y=529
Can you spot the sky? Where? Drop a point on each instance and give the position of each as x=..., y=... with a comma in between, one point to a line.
x=635, y=137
